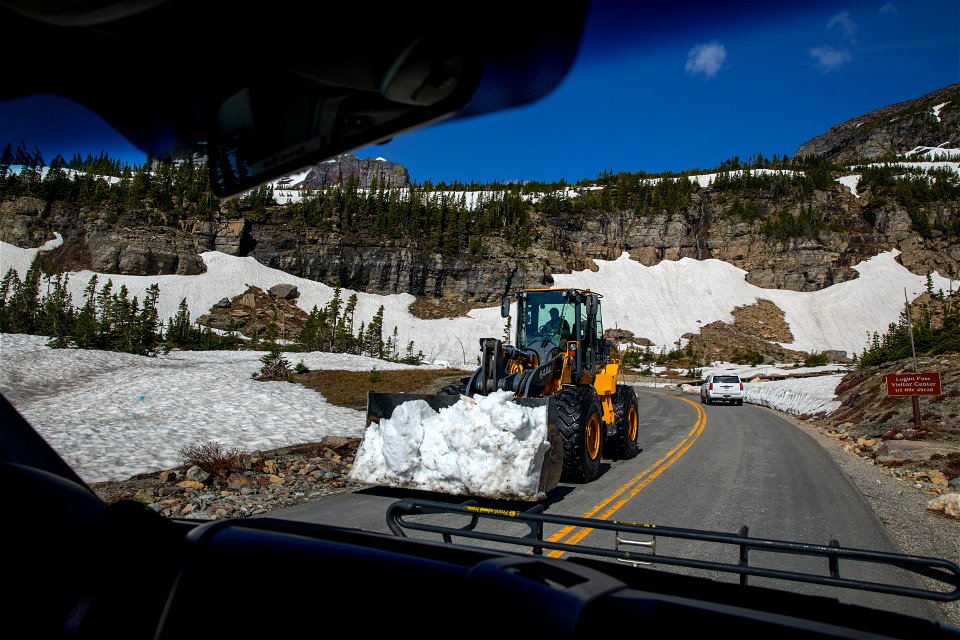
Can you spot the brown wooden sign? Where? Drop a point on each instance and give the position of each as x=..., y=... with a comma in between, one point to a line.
x=913, y=384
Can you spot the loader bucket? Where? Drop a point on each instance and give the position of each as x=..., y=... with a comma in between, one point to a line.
x=381, y=406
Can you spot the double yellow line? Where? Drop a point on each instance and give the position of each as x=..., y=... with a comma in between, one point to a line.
x=609, y=506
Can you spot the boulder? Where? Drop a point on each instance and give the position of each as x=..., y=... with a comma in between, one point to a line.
x=284, y=291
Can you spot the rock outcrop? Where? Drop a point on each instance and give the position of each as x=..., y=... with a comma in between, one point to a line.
x=928, y=121
x=368, y=172
x=140, y=250
x=259, y=314
x=757, y=329
x=855, y=229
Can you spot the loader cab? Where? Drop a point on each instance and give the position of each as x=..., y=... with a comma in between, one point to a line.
x=546, y=320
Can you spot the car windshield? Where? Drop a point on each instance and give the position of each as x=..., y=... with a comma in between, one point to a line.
x=764, y=193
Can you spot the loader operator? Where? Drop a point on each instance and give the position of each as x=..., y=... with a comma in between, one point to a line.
x=555, y=326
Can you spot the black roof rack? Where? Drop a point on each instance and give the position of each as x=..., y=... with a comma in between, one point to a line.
x=631, y=549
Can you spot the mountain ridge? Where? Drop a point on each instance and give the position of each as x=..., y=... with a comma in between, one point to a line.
x=788, y=224
x=893, y=129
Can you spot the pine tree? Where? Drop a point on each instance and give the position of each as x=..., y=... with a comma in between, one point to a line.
x=148, y=322
x=373, y=336
x=85, y=324
x=139, y=189
x=309, y=338
x=178, y=327
x=56, y=185
x=6, y=160
x=104, y=314
x=24, y=303
x=57, y=315
x=331, y=320
x=344, y=340
x=393, y=345
x=275, y=366
x=6, y=287
x=122, y=312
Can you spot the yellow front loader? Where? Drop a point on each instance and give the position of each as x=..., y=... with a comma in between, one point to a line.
x=560, y=360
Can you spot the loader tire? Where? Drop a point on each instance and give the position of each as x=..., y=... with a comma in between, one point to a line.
x=627, y=412
x=580, y=424
x=453, y=390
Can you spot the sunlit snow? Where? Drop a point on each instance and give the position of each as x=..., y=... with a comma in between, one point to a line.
x=113, y=415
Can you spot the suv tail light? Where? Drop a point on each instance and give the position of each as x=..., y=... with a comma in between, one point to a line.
x=711, y=386
x=741, y=386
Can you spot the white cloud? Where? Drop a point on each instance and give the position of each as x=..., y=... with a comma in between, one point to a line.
x=888, y=9
x=846, y=24
x=830, y=58
x=706, y=59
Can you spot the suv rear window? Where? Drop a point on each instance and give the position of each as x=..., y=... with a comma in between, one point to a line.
x=734, y=379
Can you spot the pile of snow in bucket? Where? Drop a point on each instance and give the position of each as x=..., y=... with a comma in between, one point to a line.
x=482, y=446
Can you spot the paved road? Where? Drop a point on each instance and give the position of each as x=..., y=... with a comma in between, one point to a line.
x=714, y=468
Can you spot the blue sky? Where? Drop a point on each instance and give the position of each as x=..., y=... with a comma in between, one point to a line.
x=752, y=84
x=683, y=91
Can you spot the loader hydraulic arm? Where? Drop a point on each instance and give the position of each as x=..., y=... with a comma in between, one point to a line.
x=505, y=367
x=493, y=368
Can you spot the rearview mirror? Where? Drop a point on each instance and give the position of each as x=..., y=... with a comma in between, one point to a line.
x=310, y=101
x=262, y=133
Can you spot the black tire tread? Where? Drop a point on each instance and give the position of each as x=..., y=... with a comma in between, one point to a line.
x=574, y=405
x=623, y=447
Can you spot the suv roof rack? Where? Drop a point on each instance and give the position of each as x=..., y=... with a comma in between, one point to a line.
x=631, y=549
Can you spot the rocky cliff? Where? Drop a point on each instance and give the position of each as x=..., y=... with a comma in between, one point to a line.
x=858, y=229
x=368, y=173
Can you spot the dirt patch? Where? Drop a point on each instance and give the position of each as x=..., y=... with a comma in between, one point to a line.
x=431, y=308
x=756, y=329
x=349, y=388
x=257, y=482
x=72, y=255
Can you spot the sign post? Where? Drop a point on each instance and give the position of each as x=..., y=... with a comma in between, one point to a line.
x=914, y=385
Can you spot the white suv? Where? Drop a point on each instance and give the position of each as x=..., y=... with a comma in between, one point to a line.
x=722, y=387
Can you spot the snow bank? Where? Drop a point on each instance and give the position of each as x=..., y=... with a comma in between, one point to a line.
x=799, y=396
